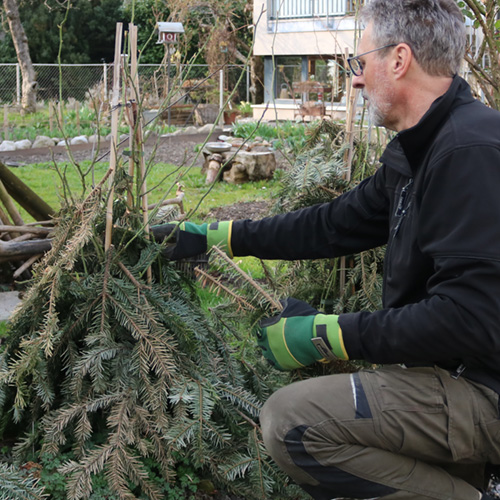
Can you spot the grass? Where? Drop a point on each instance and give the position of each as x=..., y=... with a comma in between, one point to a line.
x=46, y=181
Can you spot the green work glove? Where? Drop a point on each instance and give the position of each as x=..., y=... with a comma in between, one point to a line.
x=185, y=239
x=299, y=336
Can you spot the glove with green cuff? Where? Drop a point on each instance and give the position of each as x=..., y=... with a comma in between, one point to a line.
x=185, y=239
x=299, y=336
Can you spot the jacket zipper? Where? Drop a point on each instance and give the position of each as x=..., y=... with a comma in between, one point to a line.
x=402, y=208
x=401, y=211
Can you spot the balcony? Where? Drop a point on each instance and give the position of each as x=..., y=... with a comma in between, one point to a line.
x=309, y=9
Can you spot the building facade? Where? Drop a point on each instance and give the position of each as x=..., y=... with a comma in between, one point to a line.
x=304, y=45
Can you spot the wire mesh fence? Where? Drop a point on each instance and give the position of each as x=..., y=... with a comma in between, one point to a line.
x=185, y=83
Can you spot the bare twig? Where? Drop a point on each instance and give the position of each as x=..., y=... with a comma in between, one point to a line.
x=274, y=303
x=25, y=229
x=26, y=265
x=241, y=301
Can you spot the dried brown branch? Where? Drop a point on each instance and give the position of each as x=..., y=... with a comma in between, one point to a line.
x=272, y=301
x=241, y=301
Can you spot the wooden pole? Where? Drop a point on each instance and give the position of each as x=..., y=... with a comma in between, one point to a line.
x=115, y=112
x=24, y=195
x=9, y=205
x=24, y=248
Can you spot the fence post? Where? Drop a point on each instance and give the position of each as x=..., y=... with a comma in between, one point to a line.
x=5, y=122
x=18, y=84
x=221, y=96
x=248, y=83
x=105, y=78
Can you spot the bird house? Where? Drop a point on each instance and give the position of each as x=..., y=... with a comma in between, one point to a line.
x=168, y=32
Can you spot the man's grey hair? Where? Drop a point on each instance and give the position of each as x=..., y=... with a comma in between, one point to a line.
x=434, y=30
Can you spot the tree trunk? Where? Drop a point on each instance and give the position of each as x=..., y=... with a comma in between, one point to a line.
x=257, y=79
x=28, y=100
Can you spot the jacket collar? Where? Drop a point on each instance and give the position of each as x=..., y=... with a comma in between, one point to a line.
x=404, y=153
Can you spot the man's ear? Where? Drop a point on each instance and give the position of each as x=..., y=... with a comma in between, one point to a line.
x=401, y=60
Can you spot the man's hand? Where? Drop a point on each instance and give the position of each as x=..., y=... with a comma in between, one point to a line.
x=299, y=336
x=186, y=239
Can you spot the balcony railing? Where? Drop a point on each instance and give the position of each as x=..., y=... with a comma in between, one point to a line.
x=304, y=9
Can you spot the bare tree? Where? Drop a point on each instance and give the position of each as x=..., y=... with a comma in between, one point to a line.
x=483, y=55
x=28, y=99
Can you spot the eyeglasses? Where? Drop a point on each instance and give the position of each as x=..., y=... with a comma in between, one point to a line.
x=357, y=66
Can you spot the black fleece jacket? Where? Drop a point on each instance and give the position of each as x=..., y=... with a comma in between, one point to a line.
x=435, y=202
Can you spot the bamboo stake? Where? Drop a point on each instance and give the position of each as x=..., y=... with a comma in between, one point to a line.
x=115, y=111
x=351, y=100
x=138, y=132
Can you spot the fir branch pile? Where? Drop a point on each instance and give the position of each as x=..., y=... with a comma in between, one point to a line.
x=320, y=174
x=127, y=375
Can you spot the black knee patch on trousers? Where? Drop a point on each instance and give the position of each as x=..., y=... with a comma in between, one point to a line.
x=333, y=481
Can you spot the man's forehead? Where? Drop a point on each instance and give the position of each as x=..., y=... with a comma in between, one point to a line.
x=366, y=42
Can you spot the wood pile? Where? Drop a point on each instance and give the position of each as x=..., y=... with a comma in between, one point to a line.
x=22, y=244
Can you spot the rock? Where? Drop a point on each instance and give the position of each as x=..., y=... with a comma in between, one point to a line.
x=94, y=139
x=42, y=141
x=123, y=137
x=79, y=139
x=23, y=144
x=209, y=127
x=62, y=142
x=8, y=146
x=191, y=130
x=250, y=166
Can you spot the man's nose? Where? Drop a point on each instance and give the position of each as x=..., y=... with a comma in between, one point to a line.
x=358, y=81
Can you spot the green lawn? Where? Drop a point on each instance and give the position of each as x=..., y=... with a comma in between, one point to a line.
x=162, y=182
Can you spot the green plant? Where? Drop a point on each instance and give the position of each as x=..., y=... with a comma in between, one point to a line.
x=4, y=329
x=245, y=108
x=287, y=135
x=319, y=175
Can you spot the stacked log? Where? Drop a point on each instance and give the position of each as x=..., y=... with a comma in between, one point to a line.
x=22, y=244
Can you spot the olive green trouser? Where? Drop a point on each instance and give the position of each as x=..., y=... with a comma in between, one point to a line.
x=392, y=433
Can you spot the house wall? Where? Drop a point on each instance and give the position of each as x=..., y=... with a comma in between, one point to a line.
x=303, y=37
x=297, y=37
